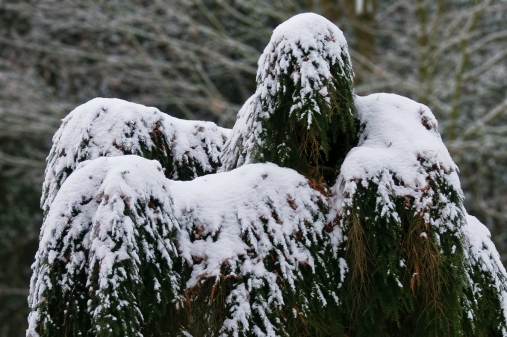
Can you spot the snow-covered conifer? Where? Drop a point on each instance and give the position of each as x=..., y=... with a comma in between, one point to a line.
x=412, y=270
x=259, y=249
x=255, y=239
x=106, y=264
x=302, y=113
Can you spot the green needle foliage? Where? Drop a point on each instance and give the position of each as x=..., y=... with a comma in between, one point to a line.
x=406, y=277
x=311, y=143
x=107, y=263
x=266, y=289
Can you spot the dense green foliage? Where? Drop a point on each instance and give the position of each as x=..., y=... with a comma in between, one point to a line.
x=402, y=282
x=99, y=276
x=302, y=312
x=411, y=277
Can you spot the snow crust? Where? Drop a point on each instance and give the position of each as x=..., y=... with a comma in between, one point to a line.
x=108, y=127
x=393, y=134
x=307, y=45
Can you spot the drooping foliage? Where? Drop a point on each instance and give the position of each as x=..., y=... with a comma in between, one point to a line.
x=401, y=207
x=107, y=259
x=137, y=254
x=259, y=249
x=486, y=296
x=253, y=238
x=302, y=113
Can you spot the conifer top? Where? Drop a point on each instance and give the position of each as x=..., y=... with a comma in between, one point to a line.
x=303, y=103
x=314, y=44
x=112, y=127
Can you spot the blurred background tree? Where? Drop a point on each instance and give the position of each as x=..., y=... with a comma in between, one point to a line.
x=197, y=59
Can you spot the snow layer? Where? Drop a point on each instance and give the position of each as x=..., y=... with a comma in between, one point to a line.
x=106, y=127
x=309, y=44
x=401, y=151
x=227, y=205
x=481, y=246
x=109, y=210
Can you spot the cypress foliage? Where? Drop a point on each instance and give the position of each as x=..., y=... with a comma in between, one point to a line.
x=485, y=302
x=252, y=262
x=407, y=278
x=301, y=117
x=410, y=266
